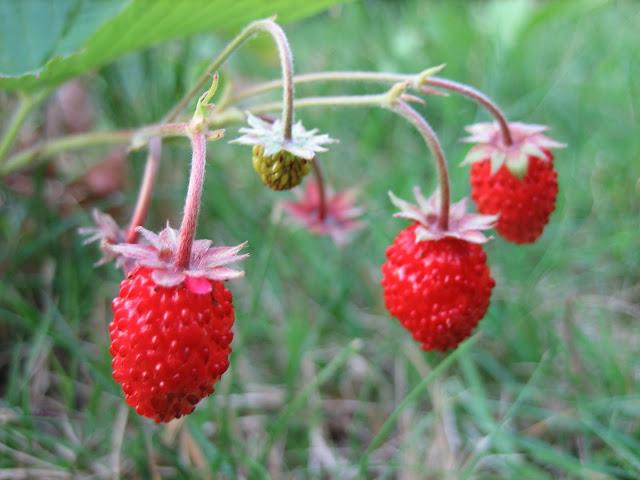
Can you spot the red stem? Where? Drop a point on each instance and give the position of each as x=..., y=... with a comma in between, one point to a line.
x=322, y=212
x=431, y=139
x=146, y=189
x=192, y=202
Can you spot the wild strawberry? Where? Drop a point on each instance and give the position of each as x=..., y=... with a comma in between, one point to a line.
x=171, y=331
x=518, y=181
x=436, y=282
x=169, y=344
x=281, y=163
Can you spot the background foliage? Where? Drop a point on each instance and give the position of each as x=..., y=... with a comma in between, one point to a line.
x=548, y=390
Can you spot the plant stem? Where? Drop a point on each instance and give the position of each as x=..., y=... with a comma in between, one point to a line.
x=388, y=77
x=230, y=116
x=83, y=140
x=63, y=144
x=322, y=212
x=24, y=107
x=431, y=139
x=481, y=99
x=373, y=77
x=192, y=202
x=146, y=188
x=278, y=35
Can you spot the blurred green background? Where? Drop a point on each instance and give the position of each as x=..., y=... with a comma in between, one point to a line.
x=548, y=390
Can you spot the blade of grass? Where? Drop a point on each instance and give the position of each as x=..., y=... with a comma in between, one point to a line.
x=299, y=400
x=410, y=398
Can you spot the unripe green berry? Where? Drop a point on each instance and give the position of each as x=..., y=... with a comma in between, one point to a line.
x=281, y=171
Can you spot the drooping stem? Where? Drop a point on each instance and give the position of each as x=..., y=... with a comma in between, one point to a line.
x=146, y=188
x=322, y=211
x=414, y=80
x=24, y=107
x=431, y=139
x=481, y=99
x=286, y=60
x=192, y=202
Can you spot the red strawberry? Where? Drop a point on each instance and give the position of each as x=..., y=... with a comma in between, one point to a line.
x=171, y=331
x=518, y=182
x=169, y=344
x=524, y=205
x=437, y=282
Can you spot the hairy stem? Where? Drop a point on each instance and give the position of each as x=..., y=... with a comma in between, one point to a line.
x=481, y=99
x=192, y=202
x=24, y=107
x=146, y=188
x=322, y=212
x=234, y=115
x=286, y=60
x=431, y=139
x=389, y=77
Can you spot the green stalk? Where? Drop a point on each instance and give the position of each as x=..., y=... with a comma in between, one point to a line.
x=409, y=399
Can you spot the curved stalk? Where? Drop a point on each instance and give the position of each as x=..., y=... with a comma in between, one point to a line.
x=286, y=61
x=431, y=139
x=146, y=189
x=192, y=202
x=478, y=97
x=413, y=80
x=322, y=211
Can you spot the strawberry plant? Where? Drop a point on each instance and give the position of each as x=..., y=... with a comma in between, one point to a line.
x=171, y=330
x=290, y=283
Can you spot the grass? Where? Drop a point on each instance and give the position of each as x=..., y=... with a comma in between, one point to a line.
x=548, y=388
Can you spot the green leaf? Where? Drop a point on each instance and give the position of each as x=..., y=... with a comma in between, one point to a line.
x=45, y=42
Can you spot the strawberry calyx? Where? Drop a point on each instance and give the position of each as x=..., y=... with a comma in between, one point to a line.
x=207, y=263
x=338, y=217
x=426, y=213
x=303, y=143
x=108, y=233
x=528, y=141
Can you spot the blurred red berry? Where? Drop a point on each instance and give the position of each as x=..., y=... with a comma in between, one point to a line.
x=438, y=289
x=436, y=281
x=518, y=182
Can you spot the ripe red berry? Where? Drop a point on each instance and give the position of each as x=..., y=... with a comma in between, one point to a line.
x=517, y=182
x=438, y=289
x=171, y=330
x=436, y=280
x=169, y=344
x=524, y=205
